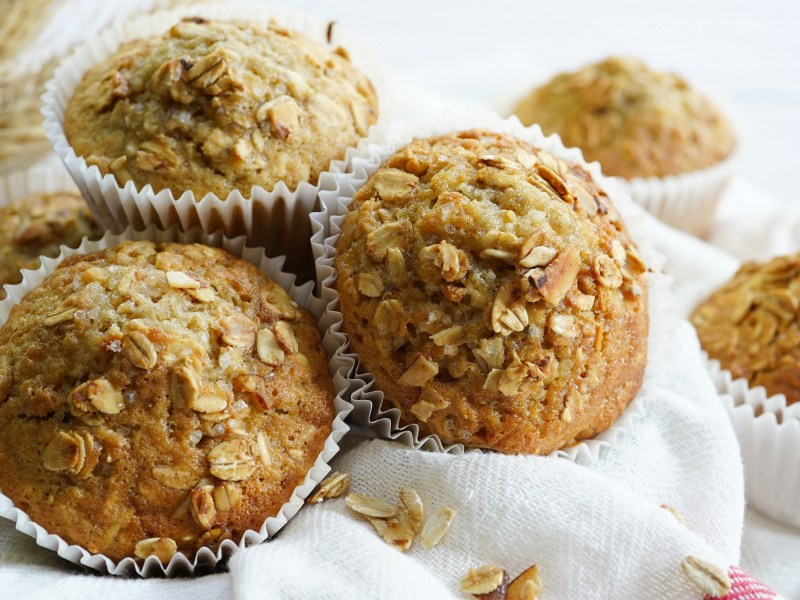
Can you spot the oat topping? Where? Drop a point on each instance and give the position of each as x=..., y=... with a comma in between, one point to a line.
x=231, y=461
x=97, y=395
x=608, y=273
x=220, y=106
x=508, y=313
x=181, y=281
x=284, y=333
x=65, y=453
x=394, y=184
x=139, y=350
x=429, y=402
x=201, y=503
x=150, y=415
x=162, y=548
x=370, y=285
x=485, y=270
x=751, y=325
x=420, y=372
x=238, y=331
x=57, y=317
x=184, y=386
x=269, y=349
x=537, y=256
x=386, y=238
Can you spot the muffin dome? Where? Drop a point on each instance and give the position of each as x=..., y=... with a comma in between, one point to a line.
x=156, y=398
x=217, y=107
x=494, y=293
x=635, y=121
x=38, y=225
x=750, y=325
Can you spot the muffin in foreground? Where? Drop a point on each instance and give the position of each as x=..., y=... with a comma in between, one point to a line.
x=635, y=121
x=750, y=325
x=158, y=398
x=38, y=225
x=214, y=107
x=494, y=293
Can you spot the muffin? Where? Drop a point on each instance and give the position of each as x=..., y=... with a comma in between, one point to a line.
x=494, y=293
x=635, y=121
x=38, y=225
x=158, y=398
x=214, y=107
x=750, y=325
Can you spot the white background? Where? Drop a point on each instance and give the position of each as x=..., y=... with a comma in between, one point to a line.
x=747, y=51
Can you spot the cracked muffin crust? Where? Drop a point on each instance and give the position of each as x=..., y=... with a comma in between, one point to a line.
x=217, y=107
x=494, y=292
x=37, y=225
x=158, y=398
x=635, y=121
x=750, y=325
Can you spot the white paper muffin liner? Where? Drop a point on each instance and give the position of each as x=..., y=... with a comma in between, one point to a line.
x=205, y=560
x=687, y=201
x=276, y=219
x=769, y=437
x=365, y=397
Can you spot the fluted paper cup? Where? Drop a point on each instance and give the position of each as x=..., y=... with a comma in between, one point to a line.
x=768, y=430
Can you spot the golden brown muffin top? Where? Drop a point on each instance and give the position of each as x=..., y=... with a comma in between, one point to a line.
x=217, y=107
x=156, y=398
x=493, y=291
x=635, y=121
x=750, y=325
x=38, y=225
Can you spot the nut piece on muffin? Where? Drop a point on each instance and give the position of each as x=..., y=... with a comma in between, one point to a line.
x=158, y=398
x=635, y=121
x=494, y=292
x=38, y=225
x=215, y=107
x=750, y=325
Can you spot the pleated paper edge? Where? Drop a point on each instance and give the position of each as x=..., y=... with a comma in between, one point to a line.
x=768, y=430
